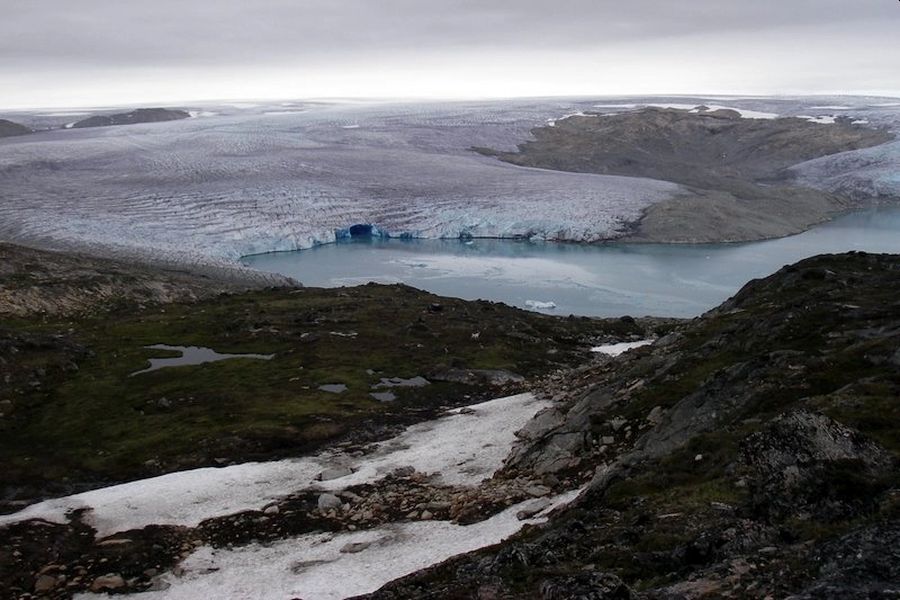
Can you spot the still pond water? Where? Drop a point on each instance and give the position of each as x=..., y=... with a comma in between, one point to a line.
x=597, y=280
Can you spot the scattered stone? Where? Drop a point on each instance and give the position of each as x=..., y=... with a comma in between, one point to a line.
x=333, y=388
x=389, y=382
x=354, y=547
x=44, y=584
x=328, y=502
x=537, y=491
x=655, y=416
x=107, y=582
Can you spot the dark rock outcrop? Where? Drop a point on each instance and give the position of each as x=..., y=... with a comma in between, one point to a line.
x=140, y=115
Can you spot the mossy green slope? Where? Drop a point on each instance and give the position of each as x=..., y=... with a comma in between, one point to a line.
x=74, y=413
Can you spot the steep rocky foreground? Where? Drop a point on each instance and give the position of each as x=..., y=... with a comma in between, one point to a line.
x=751, y=454
x=736, y=168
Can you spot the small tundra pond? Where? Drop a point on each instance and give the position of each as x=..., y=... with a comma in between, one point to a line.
x=191, y=355
x=596, y=280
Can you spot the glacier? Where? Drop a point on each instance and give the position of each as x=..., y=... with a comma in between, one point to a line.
x=249, y=178
x=250, y=181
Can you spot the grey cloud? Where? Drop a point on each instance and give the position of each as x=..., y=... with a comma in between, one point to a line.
x=115, y=32
x=64, y=51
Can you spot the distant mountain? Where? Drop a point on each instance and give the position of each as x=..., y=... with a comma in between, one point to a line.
x=141, y=115
x=8, y=129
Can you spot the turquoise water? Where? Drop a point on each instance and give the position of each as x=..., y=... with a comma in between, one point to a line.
x=597, y=280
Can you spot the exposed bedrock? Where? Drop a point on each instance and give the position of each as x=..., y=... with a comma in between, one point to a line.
x=736, y=169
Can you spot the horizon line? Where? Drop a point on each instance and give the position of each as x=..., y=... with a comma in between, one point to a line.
x=437, y=98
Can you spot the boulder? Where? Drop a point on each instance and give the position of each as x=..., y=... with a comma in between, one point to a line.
x=328, y=502
x=107, y=582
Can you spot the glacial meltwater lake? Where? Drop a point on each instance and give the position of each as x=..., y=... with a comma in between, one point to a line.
x=596, y=280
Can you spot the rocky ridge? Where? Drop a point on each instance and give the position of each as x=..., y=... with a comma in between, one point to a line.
x=39, y=282
x=140, y=115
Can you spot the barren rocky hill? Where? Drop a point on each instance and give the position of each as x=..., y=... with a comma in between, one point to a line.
x=38, y=282
x=140, y=115
x=736, y=167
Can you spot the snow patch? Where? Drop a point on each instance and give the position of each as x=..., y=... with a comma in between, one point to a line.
x=461, y=449
x=619, y=348
x=314, y=568
x=539, y=305
x=822, y=120
x=553, y=122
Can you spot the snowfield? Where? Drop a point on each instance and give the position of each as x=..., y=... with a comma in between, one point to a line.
x=462, y=449
x=313, y=567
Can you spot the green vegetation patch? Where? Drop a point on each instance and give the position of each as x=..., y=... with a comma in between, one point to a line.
x=80, y=413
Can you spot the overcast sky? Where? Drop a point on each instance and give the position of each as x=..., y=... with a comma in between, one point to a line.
x=103, y=52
